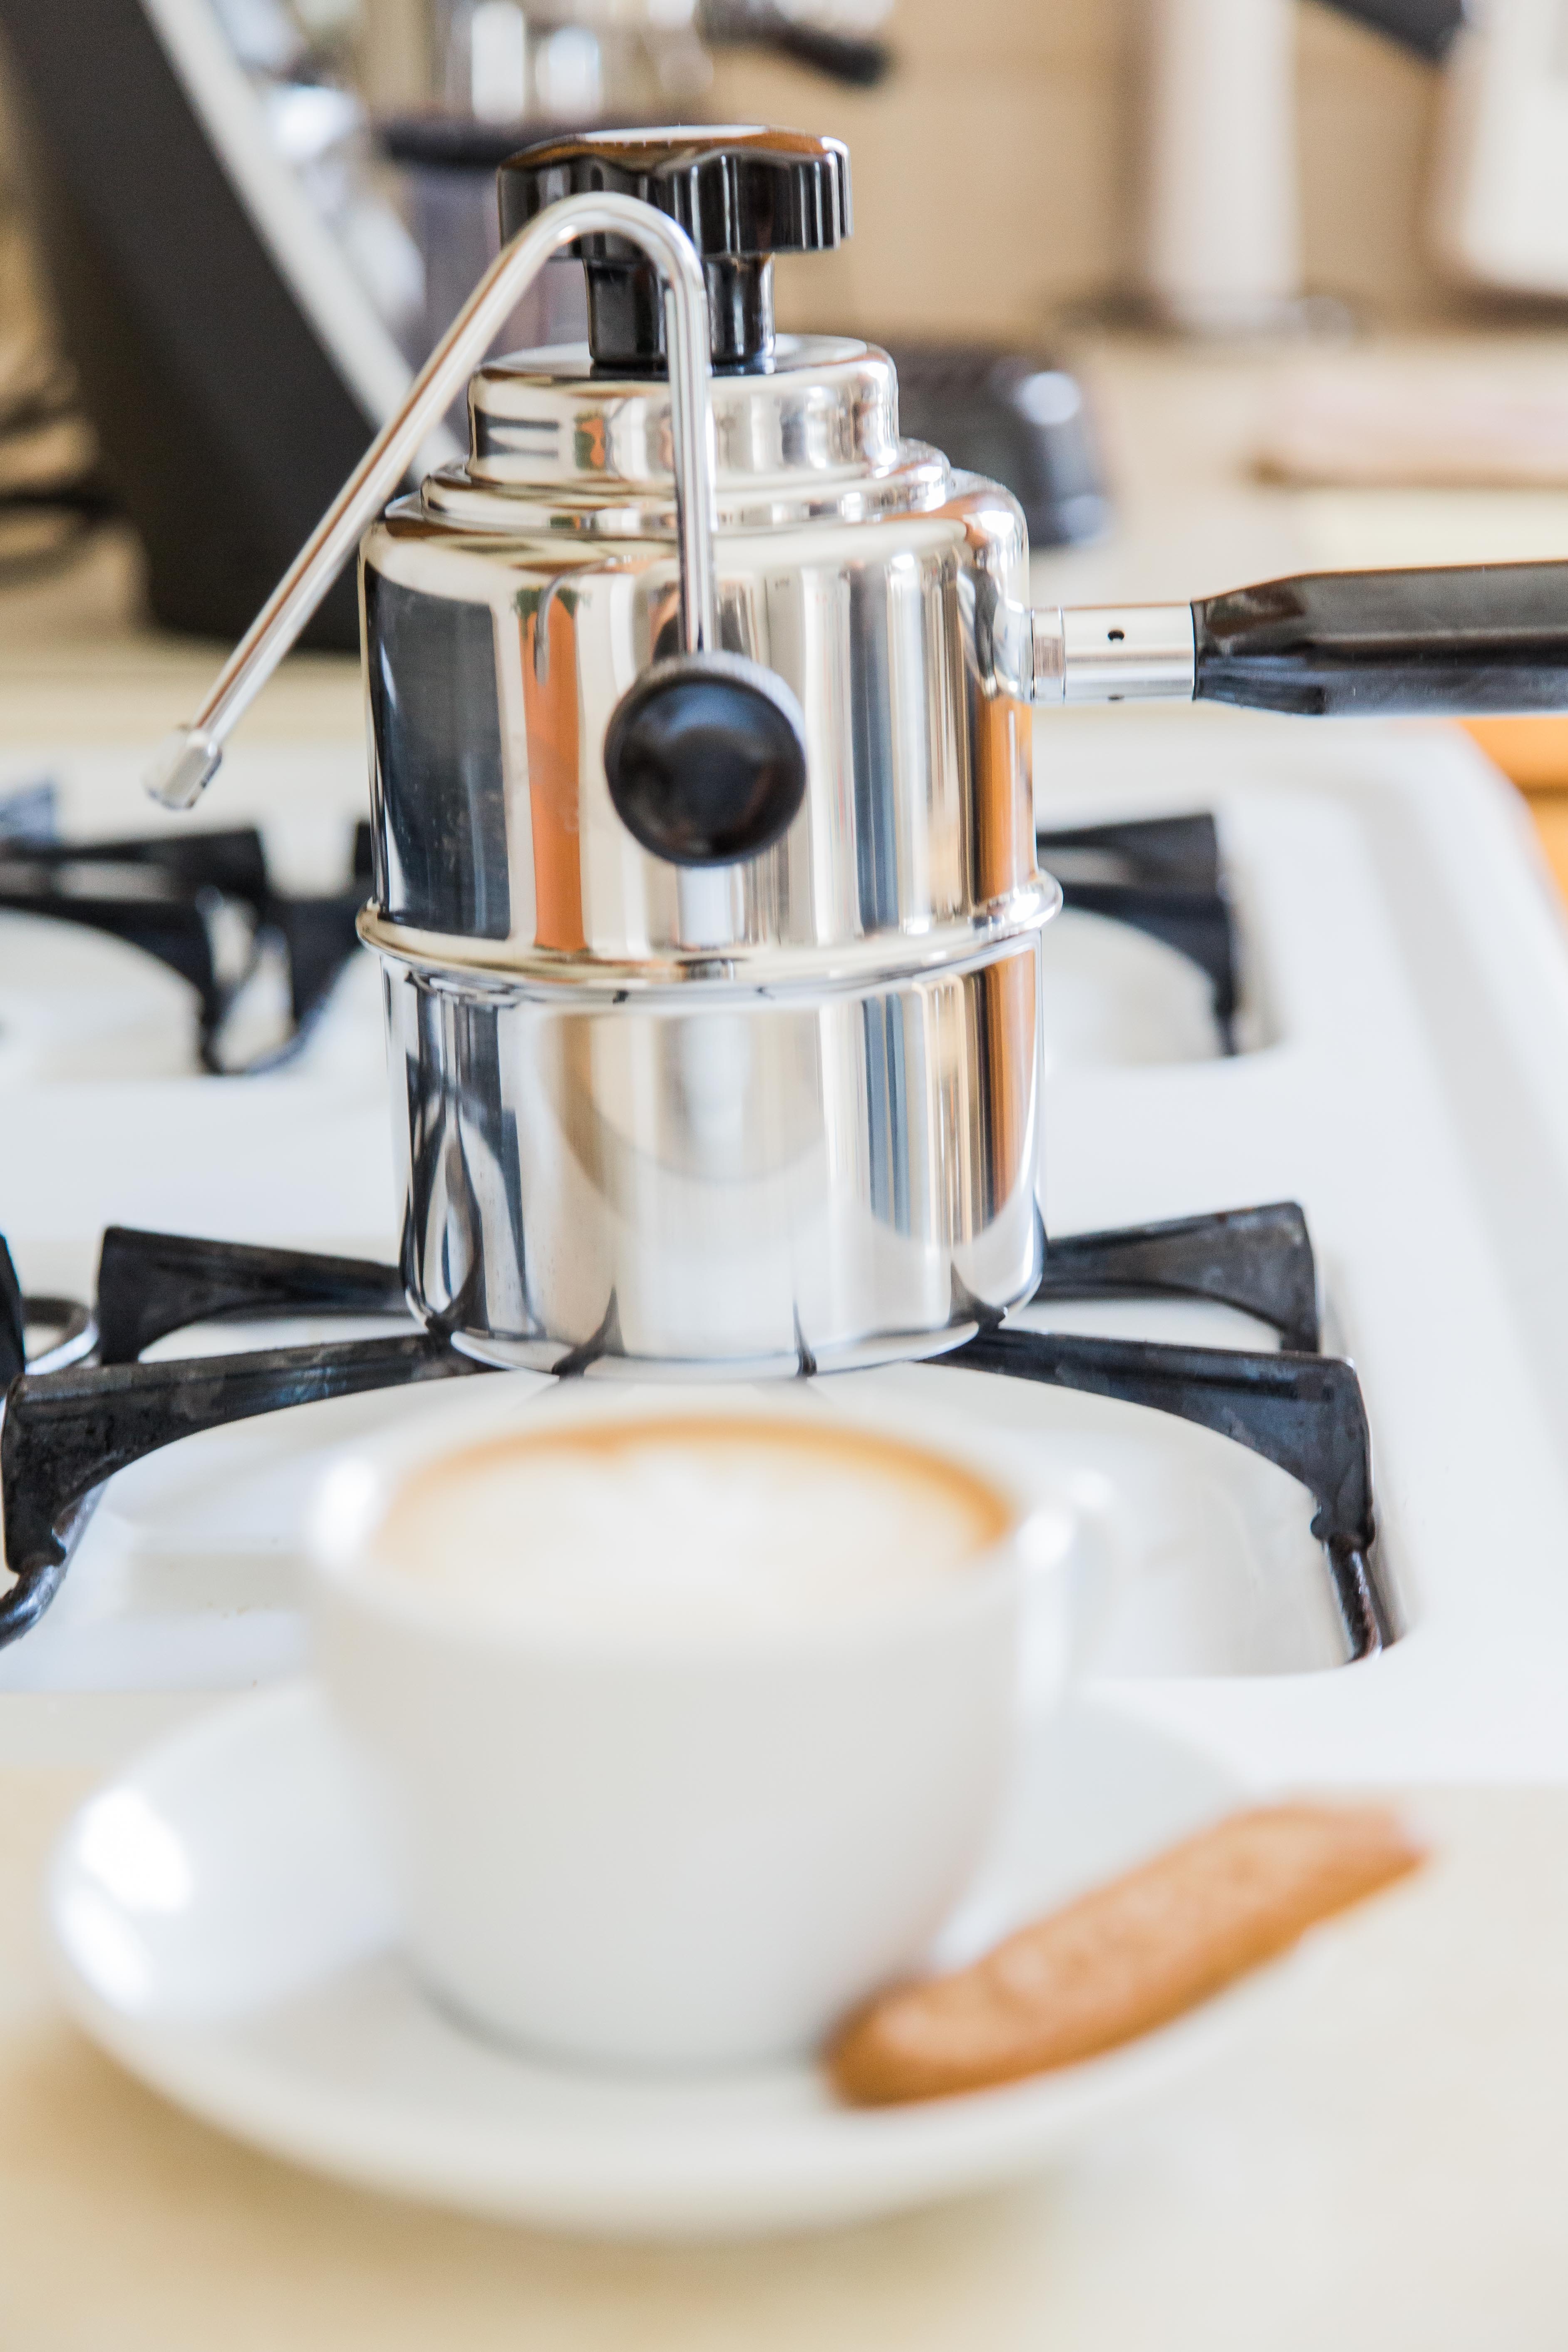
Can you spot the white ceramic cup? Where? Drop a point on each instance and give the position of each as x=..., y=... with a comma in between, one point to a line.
x=690, y=1849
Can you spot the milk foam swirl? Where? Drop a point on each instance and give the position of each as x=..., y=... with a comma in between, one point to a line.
x=656, y=1527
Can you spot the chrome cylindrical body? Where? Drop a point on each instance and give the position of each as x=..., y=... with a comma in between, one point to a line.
x=768, y=1115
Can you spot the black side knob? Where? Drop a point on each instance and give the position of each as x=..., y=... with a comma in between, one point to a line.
x=741, y=195
x=705, y=757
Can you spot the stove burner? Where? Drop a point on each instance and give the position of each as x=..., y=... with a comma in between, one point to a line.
x=176, y=896
x=66, y=1429
x=170, y=894
x=1163, y=875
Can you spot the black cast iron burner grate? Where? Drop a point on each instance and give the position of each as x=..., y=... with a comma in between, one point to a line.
x=202, y=903
x=1163, y=876
x=88, y=1407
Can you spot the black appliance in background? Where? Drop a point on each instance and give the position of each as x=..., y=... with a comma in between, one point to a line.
x=1015, y=415
x=447, y=166
x=225, y=423
x=1426, y=27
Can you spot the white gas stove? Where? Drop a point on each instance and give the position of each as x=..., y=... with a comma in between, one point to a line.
x=1401, y=1038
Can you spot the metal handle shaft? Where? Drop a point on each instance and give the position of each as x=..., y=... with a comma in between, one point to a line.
x=1448, y=641
x=187, y=761
x=1112, y=653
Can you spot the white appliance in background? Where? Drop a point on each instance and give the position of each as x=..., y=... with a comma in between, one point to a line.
x=1222, y=240
x=1501, y=170
x=1220, y=248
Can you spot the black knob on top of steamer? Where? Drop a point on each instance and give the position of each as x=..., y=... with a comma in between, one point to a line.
x=705, y=758
x=741, y=195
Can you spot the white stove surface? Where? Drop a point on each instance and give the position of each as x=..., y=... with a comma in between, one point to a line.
x=1406, y=1080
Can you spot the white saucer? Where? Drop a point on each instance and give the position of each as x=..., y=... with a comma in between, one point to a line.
x=223, y=1928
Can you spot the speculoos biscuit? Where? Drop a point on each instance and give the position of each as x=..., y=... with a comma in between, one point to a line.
x=1125, y=1958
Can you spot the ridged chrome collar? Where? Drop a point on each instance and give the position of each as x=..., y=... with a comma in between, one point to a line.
x=816, y=435
x=774, y=970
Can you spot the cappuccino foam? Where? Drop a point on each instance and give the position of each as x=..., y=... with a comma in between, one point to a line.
x=666, y=1525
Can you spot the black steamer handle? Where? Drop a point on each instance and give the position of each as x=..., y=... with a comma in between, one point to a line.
x=1450, y=643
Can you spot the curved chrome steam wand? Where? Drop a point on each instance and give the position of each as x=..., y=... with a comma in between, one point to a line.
x=186, y=761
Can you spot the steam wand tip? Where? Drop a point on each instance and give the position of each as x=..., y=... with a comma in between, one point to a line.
x=183, y=767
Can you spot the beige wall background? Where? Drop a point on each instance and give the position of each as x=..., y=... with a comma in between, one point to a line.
x=995, y=177
x=995, y=173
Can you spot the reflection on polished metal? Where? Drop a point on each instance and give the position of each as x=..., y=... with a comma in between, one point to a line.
x=505, y=617
x=772, y=1188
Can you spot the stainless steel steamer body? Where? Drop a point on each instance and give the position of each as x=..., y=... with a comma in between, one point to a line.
x=766, y=1116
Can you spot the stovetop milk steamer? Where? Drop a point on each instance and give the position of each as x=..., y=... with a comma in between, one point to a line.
x=774, y=1111
x=705, y=882
x=769, y=1110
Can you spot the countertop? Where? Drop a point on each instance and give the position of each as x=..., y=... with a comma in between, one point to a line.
x=1377, y=2160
